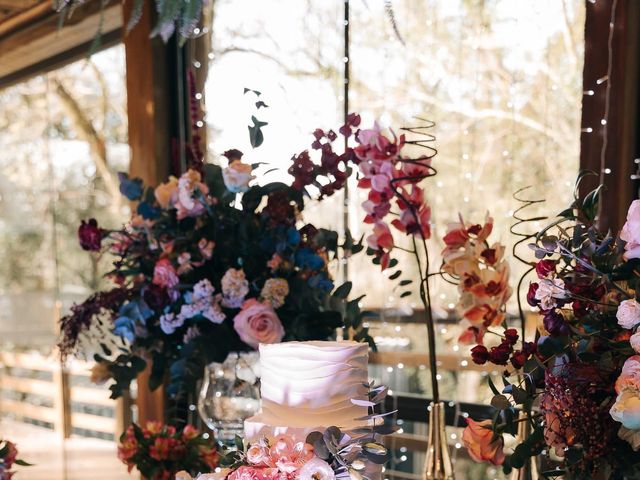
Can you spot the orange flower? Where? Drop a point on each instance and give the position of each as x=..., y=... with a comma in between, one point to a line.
x=481, y=443
x=190, y=432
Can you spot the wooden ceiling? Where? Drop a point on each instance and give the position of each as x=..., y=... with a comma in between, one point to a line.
x=32, y=40
x=11, y=8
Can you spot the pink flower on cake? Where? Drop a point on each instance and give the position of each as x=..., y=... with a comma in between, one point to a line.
x=482, y=447
x=164, y=274
x=316, y=469
x=248, y=473
x=628, y=314
x=237, y=176
x=288, y=456
x=258, y=323
x=167, y=193
x=258, y=455
x=631, y=232
x=235, y=288
x=191, y=194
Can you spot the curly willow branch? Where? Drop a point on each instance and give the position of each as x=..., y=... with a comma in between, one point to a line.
x=524, y=237
x=424, y=171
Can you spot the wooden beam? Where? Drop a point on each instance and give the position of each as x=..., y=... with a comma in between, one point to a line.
x=38, y=36
x=617, y=166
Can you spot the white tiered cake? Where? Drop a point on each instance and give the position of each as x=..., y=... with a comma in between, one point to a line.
x=309, y=386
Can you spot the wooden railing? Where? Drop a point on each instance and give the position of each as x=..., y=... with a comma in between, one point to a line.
x=38, y=389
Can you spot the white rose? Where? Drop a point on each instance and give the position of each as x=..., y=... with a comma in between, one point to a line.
x=219, y=474
x=626, y=410
x=316, y=469
x=628, y=314
x=548, y=291
x=237, y=176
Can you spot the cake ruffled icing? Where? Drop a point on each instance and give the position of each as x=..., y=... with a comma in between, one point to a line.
x=309, y=386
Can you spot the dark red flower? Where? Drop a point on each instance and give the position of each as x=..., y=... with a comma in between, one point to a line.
x=545, y=267
x=156, y=297
x=90, y=235
x=511, y=336
x=500, y=354
x=518, y=359
x=555, y=324
x=531, y=294
x=479, y=354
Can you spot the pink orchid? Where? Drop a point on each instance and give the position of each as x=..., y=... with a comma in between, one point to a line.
x=381, y=237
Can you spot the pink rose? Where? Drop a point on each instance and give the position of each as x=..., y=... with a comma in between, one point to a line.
x=248, y=473
x=482, y=447
x=258, y=323
x=628, y=314
x=258, y=455
x=631, y=232
x=164, y=274
x=630, y=375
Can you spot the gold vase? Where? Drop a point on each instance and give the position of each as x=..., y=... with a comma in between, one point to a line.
x=529, y=470
x=438, y=464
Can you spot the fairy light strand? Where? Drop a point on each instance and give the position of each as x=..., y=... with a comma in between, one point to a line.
x=607, y=99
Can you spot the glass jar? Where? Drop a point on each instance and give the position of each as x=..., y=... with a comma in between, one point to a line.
x=230, y=394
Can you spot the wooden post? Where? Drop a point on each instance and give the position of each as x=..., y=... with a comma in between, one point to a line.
x=62, y=395
x=148, y=109
x=622, y=122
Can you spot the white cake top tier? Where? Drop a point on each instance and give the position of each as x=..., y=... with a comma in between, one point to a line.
x=313, y=383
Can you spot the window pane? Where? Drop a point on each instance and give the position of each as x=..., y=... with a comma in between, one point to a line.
x=63, y=136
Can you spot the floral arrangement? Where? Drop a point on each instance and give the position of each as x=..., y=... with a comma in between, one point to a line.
x=577, y=387
x=9, y=458
x=159, y=451
x=213, y=262
x=323, y=455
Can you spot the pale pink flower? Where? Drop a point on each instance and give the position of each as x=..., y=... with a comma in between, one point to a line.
x=258, y=455
x=235, y=288
x=316, y=469
x=237, y=176
x=247, y=473
x=630, y=375
x=164, y=274
x=635, y=342
x=548, y=293
x=191, y=193
x=380, y=238
x=631, y=231
x=628, y=314
x=288, y=455
x=258, y=323
x=169, y=322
